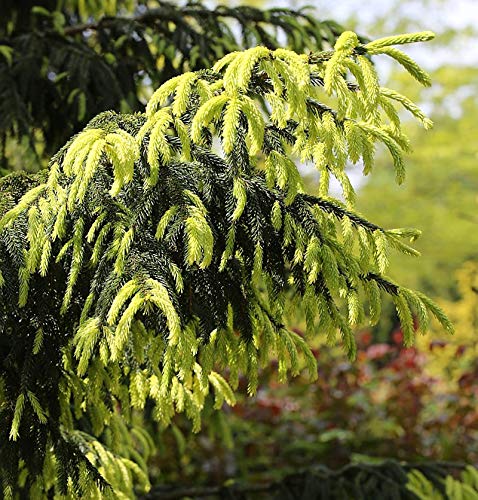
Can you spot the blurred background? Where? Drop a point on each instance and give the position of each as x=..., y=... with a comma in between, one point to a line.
x=409, y=404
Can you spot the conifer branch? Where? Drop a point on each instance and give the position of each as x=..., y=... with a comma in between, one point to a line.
x=162, y=247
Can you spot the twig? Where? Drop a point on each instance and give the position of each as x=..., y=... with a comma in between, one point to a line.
x=204, y=492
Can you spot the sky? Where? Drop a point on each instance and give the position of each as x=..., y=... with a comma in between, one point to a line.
x=436, y=15
x=378, y=18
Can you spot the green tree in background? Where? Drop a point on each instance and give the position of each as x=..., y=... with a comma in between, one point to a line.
x=162, y=247
x=64, y=61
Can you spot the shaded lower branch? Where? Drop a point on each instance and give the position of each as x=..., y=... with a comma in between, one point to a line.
x=390, y=473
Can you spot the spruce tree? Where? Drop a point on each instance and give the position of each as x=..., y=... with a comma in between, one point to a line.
x=64, y=61
x=162, y=253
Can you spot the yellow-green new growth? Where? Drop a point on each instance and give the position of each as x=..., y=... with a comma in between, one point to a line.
x=204, y=197
x=422, y=36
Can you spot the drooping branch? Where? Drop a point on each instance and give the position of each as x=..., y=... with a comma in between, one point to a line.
x=153, y=263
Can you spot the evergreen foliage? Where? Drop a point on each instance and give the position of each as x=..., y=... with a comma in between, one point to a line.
x=163, y=247
x=465, y=486
x=63, y=62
